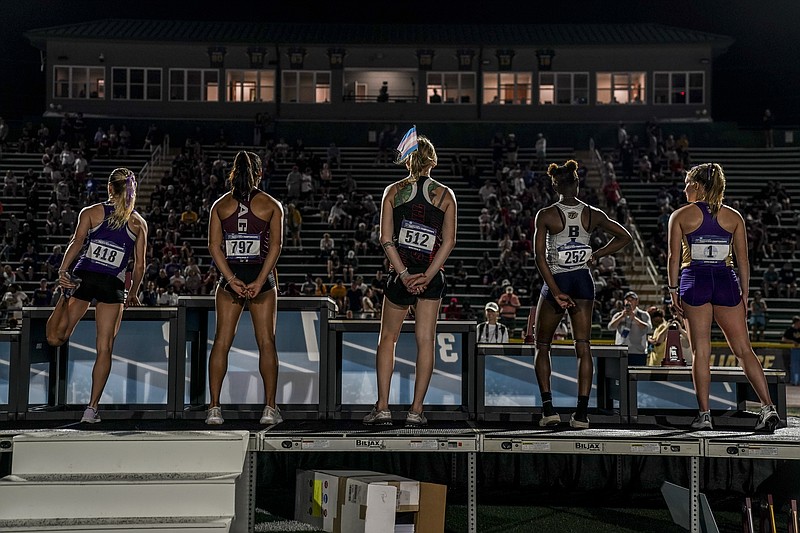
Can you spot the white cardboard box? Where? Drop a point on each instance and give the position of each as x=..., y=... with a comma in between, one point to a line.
x=317, y=496
x=368, y=507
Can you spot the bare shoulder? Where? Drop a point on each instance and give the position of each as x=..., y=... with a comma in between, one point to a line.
x=262, y=200
x=138, y=221
x=220, y=201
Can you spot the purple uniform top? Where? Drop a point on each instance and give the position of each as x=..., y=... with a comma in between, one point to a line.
x=245, y=236
x=709, y=245
x=107, y=250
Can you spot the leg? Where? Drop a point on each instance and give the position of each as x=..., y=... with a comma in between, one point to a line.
x=581, y=318
x=66, y=315
x=732, y=322
x=264, y=312
x=548, y=315
x=391, y=323
x=229, y=310
x=427, y=313
x=698, y=326
x=107, y=320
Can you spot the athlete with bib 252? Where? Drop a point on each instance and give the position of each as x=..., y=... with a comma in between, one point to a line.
x=704, y=237
x=107, y=235
x=563, y=252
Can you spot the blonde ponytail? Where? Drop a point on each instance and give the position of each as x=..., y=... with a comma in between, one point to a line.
x=123, y=195
x=422, y=158
x=712, y=178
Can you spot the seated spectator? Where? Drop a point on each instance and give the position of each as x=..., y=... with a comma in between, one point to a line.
x=339, y=293
x=43, y=294
x=320, y=289
x=369, y=305
x=309, y=287
x=787, y=287
x=769, y=282
x=209, y=281
x=349, y=265
x=452, y=311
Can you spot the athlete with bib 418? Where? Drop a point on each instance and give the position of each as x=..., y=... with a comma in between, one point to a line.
x=703, y=238
x=563, y=254
x=106, y=237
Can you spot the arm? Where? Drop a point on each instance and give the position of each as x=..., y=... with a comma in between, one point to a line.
x=139, y=254
x=674, y=236
x=539, y=255
x=740, y=251
x=75, y=245
x=275, y=246
x=621, y=236
x=217, y=255
x=615, y=320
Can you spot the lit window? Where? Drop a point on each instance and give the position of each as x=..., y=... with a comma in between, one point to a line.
x=563, y=88
x=79, y=82
x=251, y=86
x=507, y=88
x=621, y=88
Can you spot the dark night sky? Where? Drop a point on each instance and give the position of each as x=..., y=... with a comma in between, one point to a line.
x=761, y=69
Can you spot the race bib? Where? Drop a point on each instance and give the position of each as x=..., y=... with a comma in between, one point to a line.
x=106, y=253
x=242, y=246
x=416, y=236
x=573, y=254
x=710, y=249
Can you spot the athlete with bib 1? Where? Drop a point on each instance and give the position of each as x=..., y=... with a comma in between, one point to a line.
x=703, y=238
x=245, y=231
x=106, y=237
x=563, y=253
x=417, y=232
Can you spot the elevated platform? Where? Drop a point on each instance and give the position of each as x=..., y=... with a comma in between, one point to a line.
x=465, y=438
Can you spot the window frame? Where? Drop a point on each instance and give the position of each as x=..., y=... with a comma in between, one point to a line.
x=464, y=94
x=146, y=84
x=614, y=87
x=87, y=71
x=185, y=85
x=572, y=89
x=670, y=87
x=500, y=87
x=260, y=87
x=319, y=88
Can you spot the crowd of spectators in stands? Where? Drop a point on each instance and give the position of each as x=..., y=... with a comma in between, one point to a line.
x=318, y=184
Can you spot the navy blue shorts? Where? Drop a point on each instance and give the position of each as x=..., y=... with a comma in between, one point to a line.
x=103, y=288
x=715, y=285
x=397, y=293
x=248, y=272
x=577, y=284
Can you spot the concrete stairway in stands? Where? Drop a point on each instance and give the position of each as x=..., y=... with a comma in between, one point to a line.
x=67, y=480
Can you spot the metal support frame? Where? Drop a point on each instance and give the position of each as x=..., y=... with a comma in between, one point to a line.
x=8, y=409
x=611, y=370
x=35, y=349
x=193, y=316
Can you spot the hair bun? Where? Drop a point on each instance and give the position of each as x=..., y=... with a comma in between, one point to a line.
x=552, y=170
x=571, y=165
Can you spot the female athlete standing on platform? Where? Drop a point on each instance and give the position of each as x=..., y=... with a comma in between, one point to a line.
x=245, y=231
x=106, y=236
x=417, y=232
x=703, y=238
x=564, y=256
